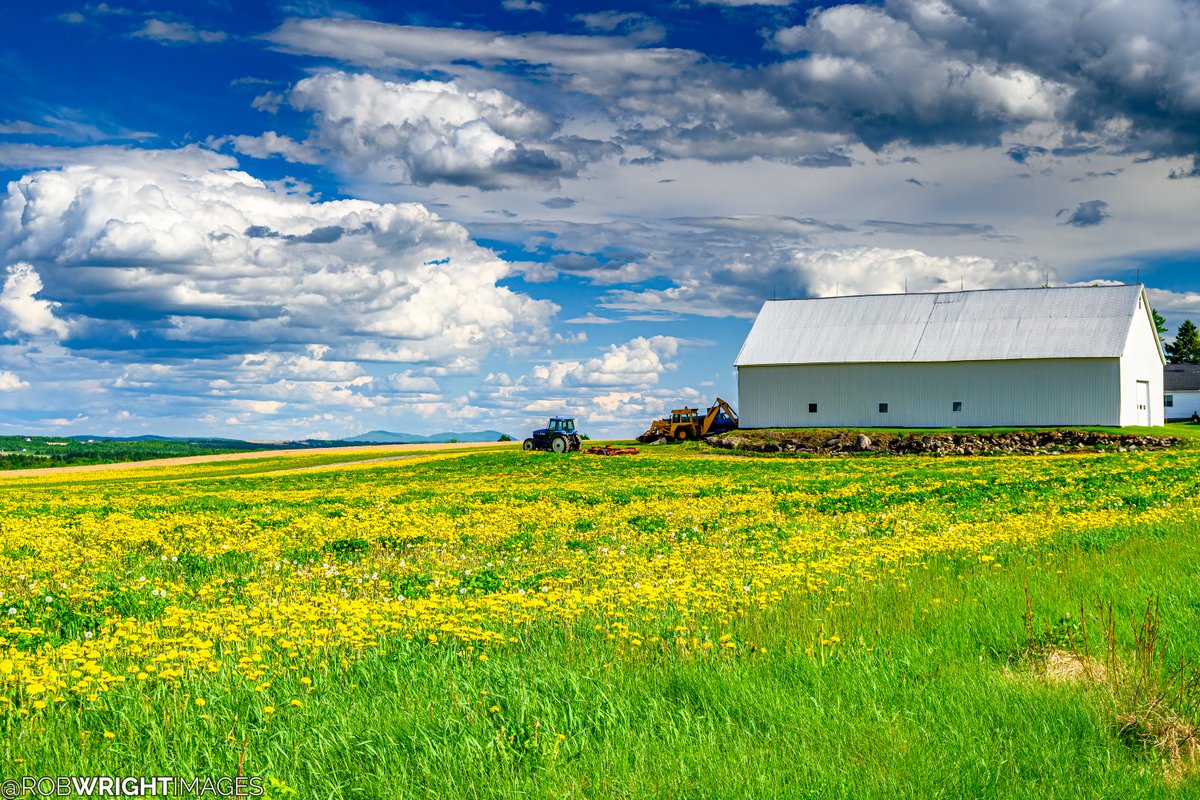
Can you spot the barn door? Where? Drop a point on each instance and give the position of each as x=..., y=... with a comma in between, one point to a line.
x=1143, y=403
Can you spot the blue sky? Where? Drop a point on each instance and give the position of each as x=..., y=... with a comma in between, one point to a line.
x=283, y=220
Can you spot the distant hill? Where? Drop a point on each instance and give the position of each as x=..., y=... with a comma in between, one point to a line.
x=152, y=438
x=371, y=437
x=388, y=437
x=24, y=452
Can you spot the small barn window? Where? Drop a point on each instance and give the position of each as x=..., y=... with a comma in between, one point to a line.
x=812, y=408
x=1169, y=400
x=956, y=405
x=883, y=408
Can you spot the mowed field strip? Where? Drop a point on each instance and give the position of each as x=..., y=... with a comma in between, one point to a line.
x=491, y=622
x=351, y=455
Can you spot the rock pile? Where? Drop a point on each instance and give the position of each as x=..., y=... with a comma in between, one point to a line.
x=1026, y=442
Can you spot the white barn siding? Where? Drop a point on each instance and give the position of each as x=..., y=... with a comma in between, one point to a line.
x=1048, y=392
x=1142, y=361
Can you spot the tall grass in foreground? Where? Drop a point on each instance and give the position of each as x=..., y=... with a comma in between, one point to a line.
x=921, y=689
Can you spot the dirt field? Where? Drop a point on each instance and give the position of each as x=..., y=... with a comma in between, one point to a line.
x=249, y=454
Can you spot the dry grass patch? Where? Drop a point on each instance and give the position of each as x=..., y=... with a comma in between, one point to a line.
x=1155, y=705
x=1169, y=737
x=1066, y=666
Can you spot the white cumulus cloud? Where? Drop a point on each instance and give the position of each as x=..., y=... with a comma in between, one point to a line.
x=873, y=270
x=27, y=314
x=270, y=144
x=636, y=363
x=865, y=65
x=11, y=381
x=215, y=255
x=430, y=131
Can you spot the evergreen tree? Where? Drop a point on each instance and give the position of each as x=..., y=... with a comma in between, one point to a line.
x=1160, y=323
x=1186, y=347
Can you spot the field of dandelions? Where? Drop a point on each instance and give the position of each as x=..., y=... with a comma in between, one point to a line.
x=510, y=624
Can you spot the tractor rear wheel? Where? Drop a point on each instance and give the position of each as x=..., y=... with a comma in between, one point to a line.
x=527, y=444
x=559, y=444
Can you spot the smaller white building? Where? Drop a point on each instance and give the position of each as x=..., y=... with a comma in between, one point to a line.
x=1181, y=391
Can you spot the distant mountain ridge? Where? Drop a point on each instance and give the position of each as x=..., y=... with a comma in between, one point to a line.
x=389, y=437
x=370, y=437
x=149, y=437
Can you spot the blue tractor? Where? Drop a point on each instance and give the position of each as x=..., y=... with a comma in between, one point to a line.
x=559, y=436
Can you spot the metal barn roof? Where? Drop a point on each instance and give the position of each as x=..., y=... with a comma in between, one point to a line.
x=985, y=325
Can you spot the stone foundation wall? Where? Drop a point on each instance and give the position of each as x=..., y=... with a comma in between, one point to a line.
x=1034, y=442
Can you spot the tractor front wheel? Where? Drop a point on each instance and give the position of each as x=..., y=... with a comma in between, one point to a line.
x=559, y=444
x=527, y=444
x=681, y=434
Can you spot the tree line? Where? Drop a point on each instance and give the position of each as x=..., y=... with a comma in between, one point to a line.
x=1186, y=347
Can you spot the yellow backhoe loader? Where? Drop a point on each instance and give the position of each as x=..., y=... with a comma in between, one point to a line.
x=687, y=423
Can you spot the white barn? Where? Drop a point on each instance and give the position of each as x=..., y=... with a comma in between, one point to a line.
x=997, y=357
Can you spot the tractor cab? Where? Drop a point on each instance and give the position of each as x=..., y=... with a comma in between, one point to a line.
x=684, y=415
x=561, y=425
